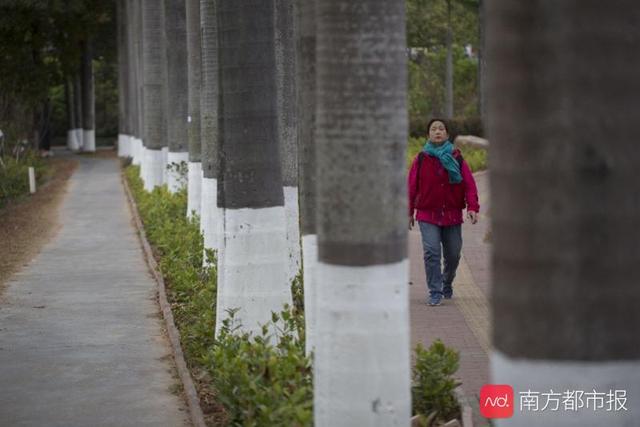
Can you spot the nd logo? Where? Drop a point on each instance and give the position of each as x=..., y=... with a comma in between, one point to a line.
x=496, y=401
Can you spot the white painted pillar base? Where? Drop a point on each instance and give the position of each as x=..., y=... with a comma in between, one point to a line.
x=544, y=376
x=175, y=182
x=252, y=269
x=210, y=219
x=310, y=263
x=136, y=151
x=121, y=139
x=70, y=139
x=153, y=169
x=292, y=215
x=89, y=140
x=142, y=158
x=165, y=162
x=77, y=136
x=194, y=189
x=362, y=363
x=124, y=145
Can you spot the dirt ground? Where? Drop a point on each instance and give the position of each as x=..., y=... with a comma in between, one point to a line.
x=27, y=223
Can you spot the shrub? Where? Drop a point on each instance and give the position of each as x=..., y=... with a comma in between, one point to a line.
x=433, y=389
x=191, y=288
x=264, y=379
x=14, y=174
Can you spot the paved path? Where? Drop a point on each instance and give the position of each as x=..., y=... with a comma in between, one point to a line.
x=81, y=343
x=463, y=322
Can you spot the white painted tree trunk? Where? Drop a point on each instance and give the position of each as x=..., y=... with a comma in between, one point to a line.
x=211, y=219
x=89, y=140
x=77, y=138
x=310, y=261
x=292, y=214
x=362, y=307
x=153, y=169
x=251, y=269
x=137, y=149
x=545, y=375
x=194, y=190
x=176, y=182
x=142, y=159
x=70, y=139
x=73, y=139
x=165, y=163
x=124, y=142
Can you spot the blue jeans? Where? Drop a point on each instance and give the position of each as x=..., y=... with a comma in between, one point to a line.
x=437, y=240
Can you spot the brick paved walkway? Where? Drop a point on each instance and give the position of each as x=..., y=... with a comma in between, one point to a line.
x=461, y=323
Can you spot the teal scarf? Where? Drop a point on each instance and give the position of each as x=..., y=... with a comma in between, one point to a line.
x=444, y=153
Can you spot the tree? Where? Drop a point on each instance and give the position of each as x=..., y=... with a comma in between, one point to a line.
x=88, y=99
x=123, y=80
x=565, y=201
x=194, y=65
x=40, y=47
x=287, y=128
x=252, y=258
x=77, y=105
x=361, y=363
x=136, y=83
x=305, y=108
x=177, y=96
x=154, y=93
x=211, y=214
x=434, y=25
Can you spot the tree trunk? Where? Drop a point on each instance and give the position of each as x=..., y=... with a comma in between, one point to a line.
x=136, y=83
x=176, y=92
x=77, y=104
x=482, y=73
x=306, y=104
x=194, y=47
x=154, y=92
x=288, y=128
x=140, y=76
x=565, y=196
x=123, y=76
x=88, y=99
x=211, y=218
x=71, y=113
x=361, y=364
x=449, y=70
x=252, y=261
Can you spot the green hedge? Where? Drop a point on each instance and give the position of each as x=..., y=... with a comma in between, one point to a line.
x=258, y=381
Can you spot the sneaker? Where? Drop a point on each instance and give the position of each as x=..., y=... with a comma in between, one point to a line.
x=448, y=296
x=434, y=301
x=447, y=293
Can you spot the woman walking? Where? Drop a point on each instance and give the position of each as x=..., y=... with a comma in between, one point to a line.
x=440, y=187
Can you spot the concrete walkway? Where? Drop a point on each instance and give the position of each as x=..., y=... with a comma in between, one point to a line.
x=81, y=342
x=463, y=322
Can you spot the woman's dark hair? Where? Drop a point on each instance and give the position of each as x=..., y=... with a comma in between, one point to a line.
x=444, y=122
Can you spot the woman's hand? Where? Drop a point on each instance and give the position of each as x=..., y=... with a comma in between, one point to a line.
x=473, y=216
x=412, y=222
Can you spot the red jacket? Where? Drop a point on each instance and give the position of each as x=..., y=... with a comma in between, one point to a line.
x=437, y=201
